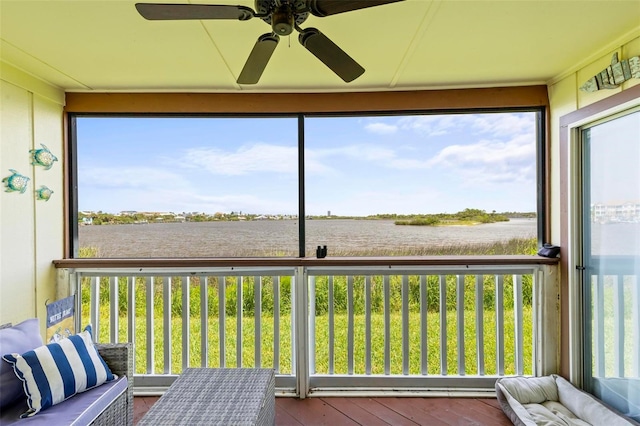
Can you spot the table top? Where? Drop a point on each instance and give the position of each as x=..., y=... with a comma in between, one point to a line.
x=230, y=396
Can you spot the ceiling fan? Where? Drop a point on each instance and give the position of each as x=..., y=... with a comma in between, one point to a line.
x=284, y=16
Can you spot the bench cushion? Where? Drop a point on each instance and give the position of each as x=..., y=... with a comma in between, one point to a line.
x=55, y=372
x=82, y=409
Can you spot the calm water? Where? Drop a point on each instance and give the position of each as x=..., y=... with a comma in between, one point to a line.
x=280, y=238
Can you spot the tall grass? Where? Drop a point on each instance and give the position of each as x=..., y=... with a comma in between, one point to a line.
x=524, y=246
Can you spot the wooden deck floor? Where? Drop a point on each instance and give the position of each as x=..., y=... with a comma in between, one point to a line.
x=375, y=411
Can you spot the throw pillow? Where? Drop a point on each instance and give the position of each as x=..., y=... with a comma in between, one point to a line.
x=19, y=338
x=57, y=371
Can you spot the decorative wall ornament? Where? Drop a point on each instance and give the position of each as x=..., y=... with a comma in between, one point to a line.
x=15, y=182
x=614, y=75
x=42, y=157
x=44, y=193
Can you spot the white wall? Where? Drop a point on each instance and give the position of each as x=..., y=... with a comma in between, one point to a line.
x=31, y=231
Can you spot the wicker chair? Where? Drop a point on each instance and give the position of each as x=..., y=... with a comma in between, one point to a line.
x=119, y=358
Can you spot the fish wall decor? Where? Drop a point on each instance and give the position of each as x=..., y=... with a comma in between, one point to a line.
x=614, y=75
x=43, y=193
x=15, y=182
x=42, y=157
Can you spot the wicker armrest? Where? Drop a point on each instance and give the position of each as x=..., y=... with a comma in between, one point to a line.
x=119, y=358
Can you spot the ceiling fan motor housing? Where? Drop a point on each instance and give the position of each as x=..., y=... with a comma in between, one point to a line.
x=282, y=15
x=282, y=20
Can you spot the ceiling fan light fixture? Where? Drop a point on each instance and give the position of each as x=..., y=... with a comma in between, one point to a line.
x=282, y=20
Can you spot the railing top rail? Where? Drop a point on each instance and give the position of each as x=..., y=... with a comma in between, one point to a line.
x=187, y=272
x=388, y=261
x=422, y=270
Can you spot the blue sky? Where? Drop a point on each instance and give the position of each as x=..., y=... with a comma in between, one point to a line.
x=354, y=165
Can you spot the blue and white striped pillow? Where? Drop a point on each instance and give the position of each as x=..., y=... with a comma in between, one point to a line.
x=57, y=371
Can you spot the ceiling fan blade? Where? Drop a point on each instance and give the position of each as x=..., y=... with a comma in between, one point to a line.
x=330, y=54
x=165, y=11
x=332, y=7
x=258, y=58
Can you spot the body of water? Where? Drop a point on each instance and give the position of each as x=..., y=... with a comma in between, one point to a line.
x=280, y=238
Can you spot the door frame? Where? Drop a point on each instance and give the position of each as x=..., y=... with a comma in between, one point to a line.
x=571, y=298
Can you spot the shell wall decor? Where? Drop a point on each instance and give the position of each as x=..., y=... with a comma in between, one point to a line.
x=42, y=157
x=44, y=193
x=18, y=183
x=15, y=182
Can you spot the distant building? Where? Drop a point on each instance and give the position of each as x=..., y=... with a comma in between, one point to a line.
x=613, y=213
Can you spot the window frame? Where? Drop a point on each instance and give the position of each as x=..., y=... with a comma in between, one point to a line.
x=519, y=99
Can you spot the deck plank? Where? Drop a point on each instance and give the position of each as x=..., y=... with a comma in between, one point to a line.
x=489, y=411
x=284, y=418
x=350, y=408
x=383, y=412
x=314, y=411
x=407, y=408
x=461, y=411
x=334, y=411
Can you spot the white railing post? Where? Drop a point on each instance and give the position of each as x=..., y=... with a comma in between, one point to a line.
x=149, y=283
x=443, y=324
x=276, y=324
x=186, y=316
x=546, y=321
x=480, y=324
x=312, y=324
x=257, y=320
x=166, y=323
x=301, y=323
x=94, y=309
x=517, y=311
x=499, y=324
x=460, y=314
x=131, y=309
x=204, y=321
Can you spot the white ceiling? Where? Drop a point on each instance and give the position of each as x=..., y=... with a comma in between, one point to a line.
x=93, y=45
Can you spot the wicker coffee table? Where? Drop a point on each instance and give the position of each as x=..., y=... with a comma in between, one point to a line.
x=216, y=396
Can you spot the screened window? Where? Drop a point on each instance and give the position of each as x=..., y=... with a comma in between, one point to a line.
x=361, y=185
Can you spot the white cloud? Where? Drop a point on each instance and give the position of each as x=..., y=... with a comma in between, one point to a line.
x=431, y=125
x=489, y=124
x=381, y=128
x=247, y=159
x=490, y=160
x=134, y=177
x=504, y=124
